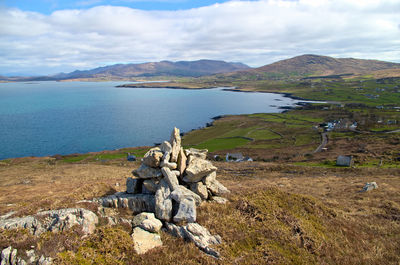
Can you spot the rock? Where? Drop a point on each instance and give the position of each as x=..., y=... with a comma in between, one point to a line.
x=170, y=165
x=146, y=172
x=196, y=233
x=166, y=147
x=54, y=221
x=133, y=185
x=153, y=157
x=370, y=186
x=200, y=189
x=219, y=200
x=176, y=144
x=186, y=211
x=176, y=172
x=151, y=185
x=216, y=188
x=197, y=169
x=136, y=202
x=45, y=261
x=182, y=159
x=202, y=238
x=163, y=202
x=143, y=241
x=5, y=255
x=210, y=178
x=197, y=153
x=181, y=193
x=148, y=222
x=31, y=255
x=170, y=177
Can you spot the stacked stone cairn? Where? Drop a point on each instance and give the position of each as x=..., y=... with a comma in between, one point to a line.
x=171, y=182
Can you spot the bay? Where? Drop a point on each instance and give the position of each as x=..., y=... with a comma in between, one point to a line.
x=48, y=118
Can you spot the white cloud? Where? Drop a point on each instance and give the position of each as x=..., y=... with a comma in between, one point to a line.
x=253, y=32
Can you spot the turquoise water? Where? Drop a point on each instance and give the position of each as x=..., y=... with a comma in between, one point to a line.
x=48, y=118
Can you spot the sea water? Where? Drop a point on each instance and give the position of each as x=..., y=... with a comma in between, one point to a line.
x=48, y=118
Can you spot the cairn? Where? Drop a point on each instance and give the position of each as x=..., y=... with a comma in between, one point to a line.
x=171, y=182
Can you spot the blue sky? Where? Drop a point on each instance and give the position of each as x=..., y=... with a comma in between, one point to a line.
x=49, y=6
x=50, y=36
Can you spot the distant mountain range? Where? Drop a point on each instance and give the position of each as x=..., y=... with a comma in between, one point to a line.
x=304, y=66
x=163, y=68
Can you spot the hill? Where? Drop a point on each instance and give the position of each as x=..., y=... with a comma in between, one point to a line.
x=315, y=65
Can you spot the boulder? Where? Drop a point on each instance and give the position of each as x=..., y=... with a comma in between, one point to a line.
x=181, y=163
x=216, y=188
x=170, y=177
x=166, y=147
x=5, y=255
x=197, y=169
x=146, y=172
x=181, y=193
x=219, y=200
x=186, y=211
x=133, y=185
x=54, y=221
x=148, y=222
x=198, y=153
x=151, y=185
x=200, y=189
x=153, y=157
x=143, y=240
x=163, y=202
x=176, y=172
x=136, y=202
x=370, y=186
x=176, y=144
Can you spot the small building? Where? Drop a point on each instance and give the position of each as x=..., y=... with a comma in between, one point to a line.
x=237, y=157
x=345, y=161
x=130, y=157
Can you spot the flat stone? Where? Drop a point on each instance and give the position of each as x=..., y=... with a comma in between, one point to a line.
x=148, y=222
x=196, y=153
x=153, y=157
x=166, y=147
x=216, y=188
x=163, y=202
x=170, y=177
x=186, y=211
x=143, y=240
x=197, y=169
x=133, y=185
x=146, y=172
x=219, y=200
x=181, y=193
x=176, y=144
x=200, y=189
x=182, y=159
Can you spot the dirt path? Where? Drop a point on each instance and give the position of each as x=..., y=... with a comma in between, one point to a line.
x=324, y=142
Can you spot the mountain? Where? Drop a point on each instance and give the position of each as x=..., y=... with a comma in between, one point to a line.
x=315, y=65
x=163, y=68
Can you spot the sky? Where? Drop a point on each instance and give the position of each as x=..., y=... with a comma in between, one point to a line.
x=50, y=36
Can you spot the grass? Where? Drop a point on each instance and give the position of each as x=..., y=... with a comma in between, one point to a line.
x=222, y=144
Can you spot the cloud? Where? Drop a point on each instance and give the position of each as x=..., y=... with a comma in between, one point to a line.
x=253, y=32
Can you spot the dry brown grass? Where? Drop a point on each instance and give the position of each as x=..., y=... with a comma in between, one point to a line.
x=277, y=214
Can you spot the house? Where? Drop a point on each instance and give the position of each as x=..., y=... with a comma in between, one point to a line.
x=345, y=161
x=237, y=157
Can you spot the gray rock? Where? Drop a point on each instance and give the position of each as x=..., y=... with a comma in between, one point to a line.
x=163, y=202
x=45, y=261
x=31, y=255
x=5, y=256
x=148, y=222
x=136, y=202
x=151, y=185
x=170, y=165
x=182, y=159
x=198, y=234
x=196, y=153
x=27, y=222
x=133, y=185
x=217, y=189
x=369, y=186
x=143, y=241
x=146, y=172
x=176, y=172
x=181, y=193
x=210, y=178
x=153, y=157
x=219, y=200
x=170, y=177
x=166, y=147
x=176, y=144
x=186, y=211
x=13, y=256
x=200, y=189
x=197, y=169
